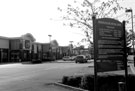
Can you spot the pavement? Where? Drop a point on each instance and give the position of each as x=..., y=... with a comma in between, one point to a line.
x=59, y=87
x=37, y=84
x=54, y=87
x=49, y=87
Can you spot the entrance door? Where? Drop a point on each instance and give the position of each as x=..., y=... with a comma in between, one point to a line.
x=26, y=56
x=5, y=55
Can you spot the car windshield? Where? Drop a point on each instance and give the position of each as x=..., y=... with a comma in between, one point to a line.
x=79, y=56
x=66, y=57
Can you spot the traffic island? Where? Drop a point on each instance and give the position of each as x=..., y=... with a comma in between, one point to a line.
x=72, y=88
x=106, y=82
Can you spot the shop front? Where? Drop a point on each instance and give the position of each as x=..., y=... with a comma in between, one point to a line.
x=19, y=50
x=15, y=56
x=26, y=50
x=25, y=56
x=36, y=54
x=15, y=45
x=4, y=50
x=4, y=56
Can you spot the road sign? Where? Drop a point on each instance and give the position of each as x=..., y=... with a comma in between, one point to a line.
x=109, y=45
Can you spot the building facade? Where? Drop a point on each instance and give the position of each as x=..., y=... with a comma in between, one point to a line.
x=4, y=50
x=24, y=49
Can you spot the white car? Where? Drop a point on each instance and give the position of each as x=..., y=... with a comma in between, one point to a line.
x=130, y=58
x=66, y=58
x=72, y=58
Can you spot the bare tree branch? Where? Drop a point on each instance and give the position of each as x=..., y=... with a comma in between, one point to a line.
x=81, y=16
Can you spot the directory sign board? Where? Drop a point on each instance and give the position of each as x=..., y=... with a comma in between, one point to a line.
x=109, y=44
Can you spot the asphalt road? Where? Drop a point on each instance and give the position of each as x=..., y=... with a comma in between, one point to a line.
x=36, y=77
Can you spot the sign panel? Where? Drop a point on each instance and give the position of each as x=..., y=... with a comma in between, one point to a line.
x=109, y=44
x=27, y=44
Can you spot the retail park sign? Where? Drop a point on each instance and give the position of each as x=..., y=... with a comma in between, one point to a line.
x=109, y=43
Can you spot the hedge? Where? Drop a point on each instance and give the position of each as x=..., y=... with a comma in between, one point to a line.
x=106, y=82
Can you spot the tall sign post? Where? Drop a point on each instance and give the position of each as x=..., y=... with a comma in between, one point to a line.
x=109, y=46
x=95, y=51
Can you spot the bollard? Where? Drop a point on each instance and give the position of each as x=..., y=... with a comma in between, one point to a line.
x=121, y=86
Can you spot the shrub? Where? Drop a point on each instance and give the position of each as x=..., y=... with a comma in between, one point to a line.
x=87, y=82
x=65, y=79
x=72, y=80
x=109, y=82
x=106, y=82
x=131, y=82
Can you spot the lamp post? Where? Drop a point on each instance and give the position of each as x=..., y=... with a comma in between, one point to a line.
x=50, y=38
x=50, y=48
x=71, y=51
x=131, y=11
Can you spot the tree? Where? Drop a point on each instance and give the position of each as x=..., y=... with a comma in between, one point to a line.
x=30, y=36
x=79, y=14
x=54, y=43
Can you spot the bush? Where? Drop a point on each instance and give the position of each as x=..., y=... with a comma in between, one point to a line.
x=106, y=82
x=109, y=82
x=131, y=82
x=72, y=80
x=87, y=82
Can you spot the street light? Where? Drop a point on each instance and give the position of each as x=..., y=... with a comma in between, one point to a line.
x=50, y=48
x=71, y=51
x=50, y=38
x=71, y=42
x=130, y=10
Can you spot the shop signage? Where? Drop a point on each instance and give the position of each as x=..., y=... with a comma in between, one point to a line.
x=27, y=44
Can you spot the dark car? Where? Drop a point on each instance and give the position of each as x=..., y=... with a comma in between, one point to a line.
x=81, y=59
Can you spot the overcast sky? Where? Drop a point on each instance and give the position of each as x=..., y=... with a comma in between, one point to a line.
x=18, y=17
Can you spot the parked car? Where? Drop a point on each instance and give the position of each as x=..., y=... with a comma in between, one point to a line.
x=81, y=59
x=88, y=57
x=130, y=58
x=66, y=58
x=72, y=58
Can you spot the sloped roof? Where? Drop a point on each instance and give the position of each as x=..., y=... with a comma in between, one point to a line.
x=28, y=36
x=9, y=38
x=54, y=44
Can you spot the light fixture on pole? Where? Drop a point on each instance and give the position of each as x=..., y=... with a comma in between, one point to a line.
x=71, y=42
x=131, y=11
x=50, y=49
x=50, y=38
x=71, y=51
